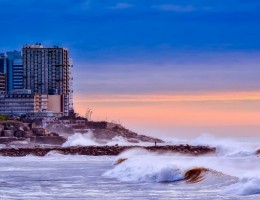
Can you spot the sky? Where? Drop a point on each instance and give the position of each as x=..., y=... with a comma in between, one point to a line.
x=159, y=67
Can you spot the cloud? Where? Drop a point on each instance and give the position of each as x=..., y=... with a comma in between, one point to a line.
x=223, y=72
x=176, y=8
x=121, y=6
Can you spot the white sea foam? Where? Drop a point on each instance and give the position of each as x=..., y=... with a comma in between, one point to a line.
x=245, y=186
x=227, y=147
x=118, y=140
x=148, y=170
x=139, y=165
x=79, y=139
x=87, y=139
x=173, y=141
x=54, y=153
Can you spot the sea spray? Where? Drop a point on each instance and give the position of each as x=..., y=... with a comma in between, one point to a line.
x=118, y=140
x=147, y=171
x=245, y=186
x=142, y=166
x=88, y=139
x=226, y=147
x=79, y=139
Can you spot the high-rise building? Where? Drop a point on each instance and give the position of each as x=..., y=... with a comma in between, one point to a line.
x=71, y=106
x=3, y=63
x=15, y=70
x=2, y=82
x=3, y=71
x=48, y=71
x=11, y=66
x=36, y=72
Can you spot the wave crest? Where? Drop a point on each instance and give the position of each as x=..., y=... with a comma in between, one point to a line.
x=195, y=175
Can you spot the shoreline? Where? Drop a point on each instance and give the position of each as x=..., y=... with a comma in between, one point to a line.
x=105, y=150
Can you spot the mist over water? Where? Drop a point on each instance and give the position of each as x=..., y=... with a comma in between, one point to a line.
x=231, y=173
x=88, y=139
x=227, y=147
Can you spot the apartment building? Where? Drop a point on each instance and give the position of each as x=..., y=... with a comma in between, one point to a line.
x=2, y=82
x=48, y=71
x=11, y=66
x=38, y=76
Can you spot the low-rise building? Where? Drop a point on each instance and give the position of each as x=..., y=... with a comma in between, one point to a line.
x=20, y=104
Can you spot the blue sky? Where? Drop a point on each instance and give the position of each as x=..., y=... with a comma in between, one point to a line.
x=130, y=27
x=156, y=46
x=146, y=49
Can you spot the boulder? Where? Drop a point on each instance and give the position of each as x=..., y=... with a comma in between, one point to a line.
x=19, y=133
x=39, y=131
x=8, y=133
x=28, y=134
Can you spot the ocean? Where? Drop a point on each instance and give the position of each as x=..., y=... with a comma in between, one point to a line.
x=232, y=173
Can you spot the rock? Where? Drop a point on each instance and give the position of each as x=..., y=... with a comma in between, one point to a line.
x=2, y=127
x=54, y=140
x=8, y=133
x=102, y=150
x=19, y=133
x=28, y=133
x=39, y=131
x=258, y=151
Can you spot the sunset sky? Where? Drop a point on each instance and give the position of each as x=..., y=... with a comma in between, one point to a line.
x=159, y=67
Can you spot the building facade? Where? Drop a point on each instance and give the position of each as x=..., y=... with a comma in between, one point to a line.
x=11, y=66
x=47, y=71
x=2, y=82
x=16, y=67
x=3, y=72
x=40, y=77
x=3, y=63
x=71, y=105
x=21, y=104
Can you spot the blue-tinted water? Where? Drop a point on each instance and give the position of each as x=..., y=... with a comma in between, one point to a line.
x=139, y=177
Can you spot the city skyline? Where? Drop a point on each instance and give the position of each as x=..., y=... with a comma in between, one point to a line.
x=133, y=58
x=37, y=81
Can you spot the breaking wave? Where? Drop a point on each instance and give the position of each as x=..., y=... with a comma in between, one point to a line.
x=78, y=139
x=138, y=165
x=227, y=147
x=245, y=186
x=88, y=139
x=165, y=173
x=196, y=174
x=141, y=165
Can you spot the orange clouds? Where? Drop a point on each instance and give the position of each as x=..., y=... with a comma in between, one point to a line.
x=144, y=111
x=224, y=96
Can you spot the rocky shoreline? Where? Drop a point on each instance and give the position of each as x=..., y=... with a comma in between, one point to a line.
x=15, y=133
x=104, y=150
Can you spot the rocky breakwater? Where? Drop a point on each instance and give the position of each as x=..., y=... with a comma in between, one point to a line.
x=105, y=150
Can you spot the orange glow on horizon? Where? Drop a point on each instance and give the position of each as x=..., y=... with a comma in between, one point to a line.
x=218, y=110
x=226, y=96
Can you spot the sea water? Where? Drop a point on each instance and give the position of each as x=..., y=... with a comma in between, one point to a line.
x=231, y=173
